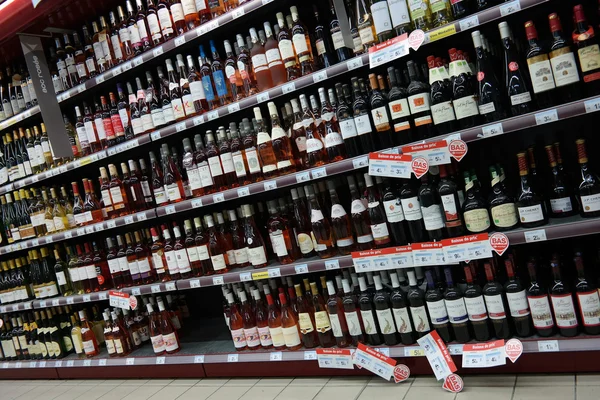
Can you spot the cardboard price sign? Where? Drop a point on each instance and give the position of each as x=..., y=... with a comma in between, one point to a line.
x=436, y=153
x=388, y=51
x=484, y=355
x=466, y=248
x=390, y=165
x=428, y=253
x=335, y=358
x=118, y=299
x=374, y=361
x=437, y=355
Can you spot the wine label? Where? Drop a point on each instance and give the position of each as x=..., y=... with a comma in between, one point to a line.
x=278, y=243
x=399, y=12
x=476, y=308
x=322, y=321
x=252, y=337
x=381, y=17
x=170, y=341
x=305, y=243
x=348, y=128
x=564, y=310
x=313, y=145
x=517, y=303
x=338, y=40
x=305, y=322
x=366, y=35
x=369, y=321
x=380, y=233
x=380, y=117
x=277, y=336
x=465, y=107
x=504, y=215
x=420, y=319
x=239, y=339
x=336, y=327
x=417, y=8
x=353, y=323
x=495, y=306
x=564, y=66
x=333, y=139
x=257, y=255
x=457, y=311
x=74, y=275
x=157, y=262
x=264, y=335
x=589, y=58
x=386, y=321
x=411, y=208
x=561, y=205
x=291, y=336
x=531, y=213
x=437, y=312
x=403, y=323
x=442, y=112
x=241, y=255
x=432, y=216
x=300, y=43
x=419, y=103
x=287, y=50
x=123, y=264
x=540, y=311
x=164, y=18
x=393, y=210
x=541, y=73
x=399, y=108
x=590, y=203
x=218, y=262
x=437, y=5
x=520, y=98
x=589, y=304
x=477, y=220
x=203, y=252
x=363, y=124
x=89, y=348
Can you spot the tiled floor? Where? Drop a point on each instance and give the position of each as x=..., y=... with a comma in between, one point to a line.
x=477, y=387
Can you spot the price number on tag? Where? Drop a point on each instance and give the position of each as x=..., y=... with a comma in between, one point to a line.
x=360, y=162
x=218, y=198
x=232, y=358
x=288, y=88
x=468, y=23
x=546, y=117
x=490, y=130
x=592, y=105
x=548, y=345
x=301, y=269
x=276, y=356
x=510, y=8
x=217, y=280
x=413, y=352
x=354, y=63
x=160, y=360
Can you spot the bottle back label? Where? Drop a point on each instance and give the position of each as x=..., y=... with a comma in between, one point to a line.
x=561, y=205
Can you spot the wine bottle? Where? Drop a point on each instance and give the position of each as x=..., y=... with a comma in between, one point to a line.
x=362, y=121
x=539, y=304
x=540, y=70
x=416, y=301
x=337, y=317
x=399, y=108
x=515, y=84
x=562, y=302
x=436, y=307
x=474, y=208
x=587, y=298
x=431, y=209
x=419, y=102
x=517, y=302
x=344, y=114
x=457, y=310
x=379, y=111
x=588, y=51
x=588, y=192
x=365, y=302
x=400, y=311
x=490, y=101
x=463, y=92
x=355, y=324
x=561, y=197
x=531, y=207
x=496, y=304
x=442, y=110
x=476, y=305
x=384, y=314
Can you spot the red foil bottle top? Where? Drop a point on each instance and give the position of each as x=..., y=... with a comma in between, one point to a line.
x=555, y=25
x=578, y=14
x=522, y=161
x=551, y=158
x=453, y=54
x=581, y=154
x=431, y=62
x=530, y=30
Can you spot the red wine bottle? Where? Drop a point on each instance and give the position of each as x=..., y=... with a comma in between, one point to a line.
x=490, y=101
x=437, y=308
x=463, y=92
x=587, y=298
x=540, y=70
x=431, y=209
x=562, y=202
x=476, y=307
x=562, y=302
x=539, y=304
x=496, y=304
x=530, y=205
x=442, y=110
x=457, y=310
x=448, y=191
x=517, y=302
x=564, y=66
x=419, y=102
x=588, y=192
x=399, y=109
x=587, y=50
x=517, y=88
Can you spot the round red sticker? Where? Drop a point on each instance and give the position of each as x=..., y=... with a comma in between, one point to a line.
x=401, y=373
x=513, y=66
x=133, y=303
x=416, y=39
x=499, y=242
x=458, y=149
x=453, y=383
x=514, y=349
x=420, y=166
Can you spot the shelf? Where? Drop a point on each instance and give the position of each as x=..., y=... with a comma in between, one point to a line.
x=252, y=101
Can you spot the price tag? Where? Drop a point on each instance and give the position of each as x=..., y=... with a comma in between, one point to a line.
x=217, y=280
x=213, y=115
x=274, y=272
x=469, y=22
x=126, y=66
x=198, y=120
x=270, y=185
x=539, y=235
x=116, y=71
x=110, y=224
x=374, y=361
x=55, y=302
x=99, y=227
x=102, y=296
x=262, y=97
x=510, y=8
x=99, y=79
x=195, y=283
x=354, y=63
x=266, y=2
x=18, y=364
x=155, y=288
x=198, y=359
x=5, y=365
x=42, y=364
x=310, y=355
x=58, y=364
x=170, y=286
x=180, y=127
x=237, y=12
x=213, y=24
x=455, y=349
x=360, y=162
x=491, y=130
x=335, y=358
x=319, y=76
x=245, y=276
x=130, y=361
x=87, y=363
x=70, y=363
x=170, y=210
x=390, y=165
x=89, y=229
x=301, y=269
x=201, y=30
x=218, y=198
x=35, y=242
x=157, y=51
x=137, y=61
x=243, y=191
x=592, y=105
x=413, y=352
x=423, y=256
x=102, y=362
x=196, y=203
x=128, y=219
x=42, y=303
x=140, y=216
x=332, y=264
x=87, y=298
x=2, y=309
x=302, y=177
x=81, y=88
x=70, y=300
x=160, y=360
x=276, y=356
x=547, y=345
x=546, y=117
x=436, y=153
x=155, y=135
x=233, y=107
x=232, y=357
x=179, y=40
x=68, y=235
x=319, y=173
x=136, y=291
x=387, y=51
x=288, y=88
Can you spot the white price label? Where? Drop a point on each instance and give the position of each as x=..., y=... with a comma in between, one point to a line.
x=87, y=363
x=160, y=360
x=233, y=357
x=116, y=71
x=102, y=362
x=218, y=280
x=87, y=298
x=42, y=364
x=510, y=8
x=155, y=288
x=218, y=198
x=138, y=61
x=89, y=229
x=539, y=235
x=81, y=88
x=213, y=24
x=547, y=345
x=414, y=351
x=270, y=185
x=155, y=135
x=354, y=63
x=262, y=97
x=243, y=191
x=233, y=107
x=128, y=219
x=301, y=269
x=179, y=40
x=310, y=355
x=102, y=296
x=201, y=30
x=70, y=300
x=136, y=291
x=302, y=177
x=194, y=283
x=18, y=364
x=360, y=162
x=126, y=66
x=33, y=364
x=55, y=302
x=35, y=242
x=332, y=264
x=288, y=88
x=383, y=350
x=180, y=127
x=198, y=359
x=170, y=286
x=70, y=363
x=455, y=349
x=198, y=120
x=140, y=216
x=319, y=173
x=157, y=51
x=42, y=303
x=592, y=105
x=237, y=12
x=68, y=235
x=319, y=76
x=196, y=203
x=276, y=356
x=491, y=130
x=99, y=79
x=274, y=272
x=245, y=276
x=110, y=224
x=546, y=117
x=213, y=115
x=468, y=23
x=130, y=361
x=58, y=364
x=170, y=210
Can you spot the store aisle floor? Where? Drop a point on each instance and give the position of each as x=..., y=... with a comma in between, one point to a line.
x=487, y=387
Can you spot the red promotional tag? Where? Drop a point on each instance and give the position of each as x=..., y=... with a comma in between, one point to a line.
x=499, y=242
x=401, y=373
x=133, y=303
x=416, y=39
x=458, y=149
x=513, y=349
x=453, y=383
x=420, y=166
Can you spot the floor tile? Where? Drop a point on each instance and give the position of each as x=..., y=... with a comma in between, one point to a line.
x=159, y=382
x=348, y=381
x=489, y=393
x=33, y=393
x=119, y=392
x=170, y=392
x=274, y=382
x=68, y=392
x=320, y=382
x=489, y=380
x=85, y=382
x=588, y=392
x=588, y=379
x=98, y=392
x=19, y=391
x=426, y=381
x=241, y=382
x=135, y=382
x=198, y=393
x=184, y=382
x=229, y=392
x=544, y=392
x=262, y=393
x=546, y=380
x=339, y=392
x=377, y=381
x=384, y=392
x=212, y=382
x=298, y=392
x=424, y=392
x=142, y=392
